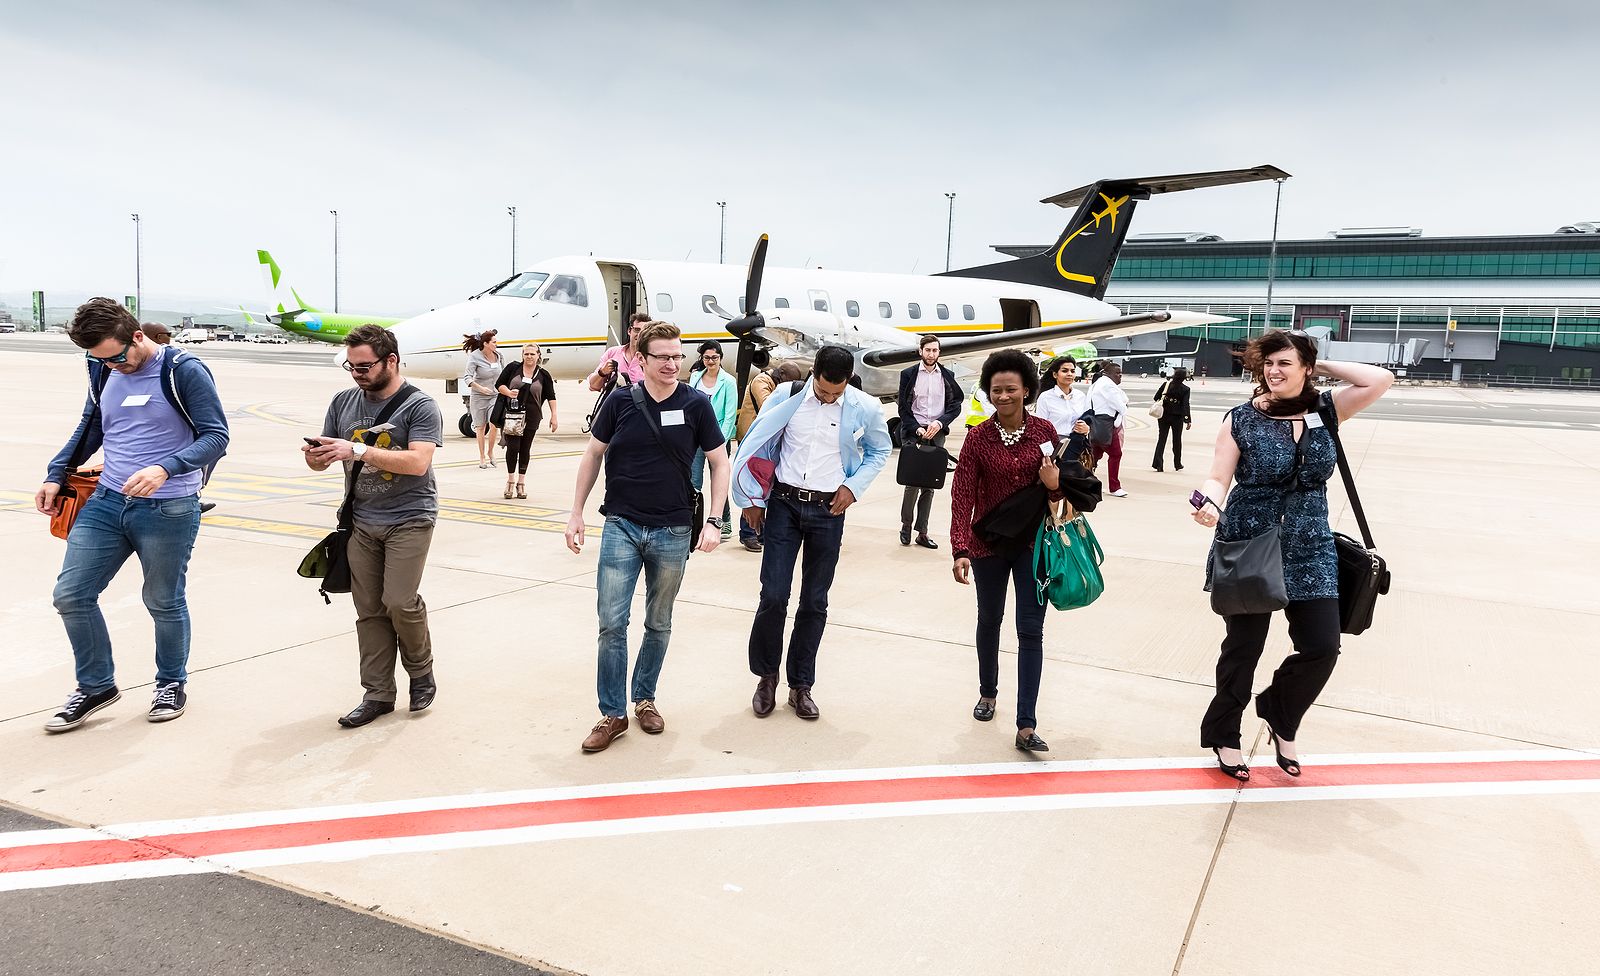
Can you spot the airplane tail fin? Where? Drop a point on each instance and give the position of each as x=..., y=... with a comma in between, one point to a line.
x=1081, y=260
x=281, y=296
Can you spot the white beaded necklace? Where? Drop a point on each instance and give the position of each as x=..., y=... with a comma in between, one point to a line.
x=1011, y=438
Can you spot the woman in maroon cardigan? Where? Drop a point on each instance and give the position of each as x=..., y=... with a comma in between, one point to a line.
x=1008, y=453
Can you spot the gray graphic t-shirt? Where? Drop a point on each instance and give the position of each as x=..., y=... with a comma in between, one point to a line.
x=382, y=497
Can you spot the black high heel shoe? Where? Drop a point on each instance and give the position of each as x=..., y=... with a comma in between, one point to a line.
x=1290, y=766
x=1240, y=772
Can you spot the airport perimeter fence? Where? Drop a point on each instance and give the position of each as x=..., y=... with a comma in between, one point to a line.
x=1414, y=378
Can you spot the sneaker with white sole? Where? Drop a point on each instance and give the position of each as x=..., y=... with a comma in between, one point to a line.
x=78, y=708
x=1120, y=493
x=168, y=702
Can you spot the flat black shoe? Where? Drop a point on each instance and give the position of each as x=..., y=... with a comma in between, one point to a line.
x=926, y=542
x=422, y=691
x=984, y=710
x=905, y=537
x=1290, y=766
x=1032, y=743
x=206, y=507
x=1240, y=772
x=365, y=712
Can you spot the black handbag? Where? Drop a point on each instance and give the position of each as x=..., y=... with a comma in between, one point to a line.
x=1102, y=428
x=922, y=464
x=697, y=500
x=329, y=560
x=1247, y=575
x=1363, y=574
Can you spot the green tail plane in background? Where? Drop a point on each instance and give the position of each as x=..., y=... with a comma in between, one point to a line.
x=292, y=314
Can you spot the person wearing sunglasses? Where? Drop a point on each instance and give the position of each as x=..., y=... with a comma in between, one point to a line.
x=156, y=414
x=395, y=503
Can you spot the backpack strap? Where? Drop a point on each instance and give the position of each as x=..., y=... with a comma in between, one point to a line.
x=636, y=393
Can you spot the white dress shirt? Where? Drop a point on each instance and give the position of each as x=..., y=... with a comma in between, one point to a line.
x=810, y=455
x=1062, y=409
x=1110, y=398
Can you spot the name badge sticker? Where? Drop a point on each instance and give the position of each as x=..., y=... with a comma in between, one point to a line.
x=1313, y=421
x=136, y=400
x=1047, y=449
x=672, y=418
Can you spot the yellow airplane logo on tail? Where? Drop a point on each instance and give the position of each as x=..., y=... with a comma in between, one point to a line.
x=1111, y=210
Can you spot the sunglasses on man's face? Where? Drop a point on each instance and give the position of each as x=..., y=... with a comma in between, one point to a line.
x=361, y=367
x=116, y=360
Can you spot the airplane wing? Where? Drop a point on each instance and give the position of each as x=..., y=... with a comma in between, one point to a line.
x=1091, y=331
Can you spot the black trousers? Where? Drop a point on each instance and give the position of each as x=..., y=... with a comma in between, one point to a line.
x=1176, y=427
x=518, y=447
x=1314, y=629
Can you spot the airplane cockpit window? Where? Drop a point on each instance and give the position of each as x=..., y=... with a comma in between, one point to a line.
x=943, y=311
x=568, y=290
x=968, y=313
x=663, y=302
x=780, y=303
x=522, y=286
x=884, y=311
x=852, y=308
x=914, y=310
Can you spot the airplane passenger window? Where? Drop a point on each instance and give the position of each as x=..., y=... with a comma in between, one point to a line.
x=852, y=309
x=780, y=303
x=568, y=290
x=522, y=286
x=663, y=302
x=820, y=304
x=914, y=310
x=967, y=313
x=942, y=310
x=884, y=311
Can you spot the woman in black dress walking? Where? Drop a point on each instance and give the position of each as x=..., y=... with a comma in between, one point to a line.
x=1282, y=454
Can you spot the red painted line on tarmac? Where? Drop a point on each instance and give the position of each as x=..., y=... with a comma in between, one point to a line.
x=234, y=840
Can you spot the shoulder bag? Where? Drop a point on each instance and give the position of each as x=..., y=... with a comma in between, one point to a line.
x=1160, y=407
x=1363, y=574
x=1247, y=575
x=1068, y=558
x=697, y=501
x=329, y=560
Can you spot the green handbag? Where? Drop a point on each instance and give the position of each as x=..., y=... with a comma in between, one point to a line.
x=1067, y=571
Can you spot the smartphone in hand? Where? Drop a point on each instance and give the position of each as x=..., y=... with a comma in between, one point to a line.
x=314, y=442
x=1199, y=500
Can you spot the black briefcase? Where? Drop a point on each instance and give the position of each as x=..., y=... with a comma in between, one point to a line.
x=922, y=465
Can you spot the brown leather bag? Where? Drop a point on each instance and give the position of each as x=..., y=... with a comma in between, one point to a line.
x=81, y=483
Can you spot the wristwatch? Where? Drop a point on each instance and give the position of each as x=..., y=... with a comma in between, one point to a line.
x=715, y=522
x=357, y=449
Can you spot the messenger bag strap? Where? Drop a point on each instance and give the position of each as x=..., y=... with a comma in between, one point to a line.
x=347, y=510
x=1330, y=420
x=636, y=392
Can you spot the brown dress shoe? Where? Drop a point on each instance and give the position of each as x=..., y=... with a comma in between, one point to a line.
x=766, y=697
x=800, y=701
x=605, y=732
x=649, y=719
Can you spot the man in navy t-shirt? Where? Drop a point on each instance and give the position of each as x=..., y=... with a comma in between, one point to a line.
x=646, y=435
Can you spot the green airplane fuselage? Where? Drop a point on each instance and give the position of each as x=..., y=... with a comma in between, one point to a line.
x=328, y=326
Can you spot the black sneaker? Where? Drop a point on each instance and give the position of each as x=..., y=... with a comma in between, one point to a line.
x=168, y=702
x=78, y=709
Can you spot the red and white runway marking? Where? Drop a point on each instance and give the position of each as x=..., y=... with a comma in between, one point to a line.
x=238, y=842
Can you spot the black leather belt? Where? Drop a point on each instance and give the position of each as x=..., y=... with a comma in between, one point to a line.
x=791, y=493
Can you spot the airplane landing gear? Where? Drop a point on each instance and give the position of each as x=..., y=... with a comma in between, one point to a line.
x=465, y=426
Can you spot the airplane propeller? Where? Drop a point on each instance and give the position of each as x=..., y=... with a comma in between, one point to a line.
x=746, y=327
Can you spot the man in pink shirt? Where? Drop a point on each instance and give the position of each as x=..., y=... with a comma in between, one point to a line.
x=930, y=401
x=623, y=360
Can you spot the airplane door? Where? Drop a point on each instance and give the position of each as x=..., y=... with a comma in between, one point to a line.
x=628, y=298
x=1019, y=313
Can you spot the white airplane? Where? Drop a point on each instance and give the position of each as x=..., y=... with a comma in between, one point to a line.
x=575, y=307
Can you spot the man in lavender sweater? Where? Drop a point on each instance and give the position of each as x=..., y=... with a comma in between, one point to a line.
x=156, y=413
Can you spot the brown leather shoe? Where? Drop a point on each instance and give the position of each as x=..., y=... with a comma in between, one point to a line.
x=605, y=732
x=766, y=697
x=800, y=701
x=649, y=719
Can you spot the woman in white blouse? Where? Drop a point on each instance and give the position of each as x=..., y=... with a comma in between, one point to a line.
x=1059, y=402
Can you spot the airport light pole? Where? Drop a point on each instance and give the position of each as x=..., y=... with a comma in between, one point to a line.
x=513, y=212
x=949, y=228
x=138, y=266
x=1272, y=254
x=722, y=246
x=335, y=260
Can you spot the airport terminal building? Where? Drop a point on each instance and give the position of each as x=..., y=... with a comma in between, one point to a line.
x=1517, y=309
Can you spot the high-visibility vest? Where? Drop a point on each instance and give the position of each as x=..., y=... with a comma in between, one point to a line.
x=977, y=410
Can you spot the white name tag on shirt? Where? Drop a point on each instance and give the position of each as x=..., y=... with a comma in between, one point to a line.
x=136, y=400
x=672, y=418
x=1313, y=421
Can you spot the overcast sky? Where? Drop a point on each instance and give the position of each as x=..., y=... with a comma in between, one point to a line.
x=615, y=126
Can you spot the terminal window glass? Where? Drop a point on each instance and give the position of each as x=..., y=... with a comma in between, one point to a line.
x=1585, y=373
x=968, y=313
x=780, y=303
x=914, y=310
x=567, y=290
x=663, y=302
x=943, y=311
x=522, y=286
x=884, y=311
x=852, y=308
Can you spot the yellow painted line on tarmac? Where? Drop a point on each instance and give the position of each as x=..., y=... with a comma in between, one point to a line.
x=269, y=526
x=498, y=508
x=259, y=411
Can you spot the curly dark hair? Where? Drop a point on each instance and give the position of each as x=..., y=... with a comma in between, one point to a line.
x=99, y=319
x=1255, y=357
x=1011, y=361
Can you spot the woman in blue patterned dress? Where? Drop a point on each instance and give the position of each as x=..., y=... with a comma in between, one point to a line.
x=1282, y=455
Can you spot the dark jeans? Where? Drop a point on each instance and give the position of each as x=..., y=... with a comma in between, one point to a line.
x=1314, y=630
x=990, y=575
x=1176, y=427
x=792, y=527
x=921, y=499
x=518, y=447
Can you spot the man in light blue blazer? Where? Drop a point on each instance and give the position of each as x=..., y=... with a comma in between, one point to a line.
x=809, y=456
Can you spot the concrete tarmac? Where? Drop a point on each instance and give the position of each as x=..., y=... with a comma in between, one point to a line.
x=1448, y=821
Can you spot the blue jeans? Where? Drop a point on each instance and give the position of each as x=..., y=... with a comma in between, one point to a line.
x=626, y=548
x=697, y=477
x=790, y=527
x=991, y=576
x=110, y=528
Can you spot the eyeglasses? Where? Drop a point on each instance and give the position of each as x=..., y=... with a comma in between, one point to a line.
x=361, y=367
x=678, y=358
x=116, y=360
x=712, y=355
